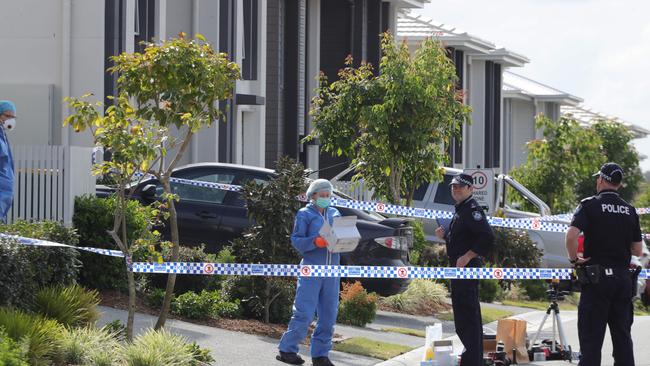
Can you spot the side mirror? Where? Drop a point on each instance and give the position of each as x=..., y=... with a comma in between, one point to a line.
x=149, y=193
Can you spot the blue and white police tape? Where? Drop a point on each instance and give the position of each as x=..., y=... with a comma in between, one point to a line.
x=45, y=243
x=293, y=270
x=246, y=269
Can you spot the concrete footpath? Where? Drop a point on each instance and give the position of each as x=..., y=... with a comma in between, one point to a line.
x=228, y=347
x=640, y=335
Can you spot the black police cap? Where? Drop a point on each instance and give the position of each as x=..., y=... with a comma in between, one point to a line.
x=462, y=179
x=611, y=172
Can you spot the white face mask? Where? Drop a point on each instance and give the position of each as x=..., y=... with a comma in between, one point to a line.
x=9, y=124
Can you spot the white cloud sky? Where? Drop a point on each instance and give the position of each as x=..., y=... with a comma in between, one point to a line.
x=598, y=50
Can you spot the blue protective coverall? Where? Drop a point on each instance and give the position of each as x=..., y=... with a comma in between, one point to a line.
x=313, y=295
x=6, y=175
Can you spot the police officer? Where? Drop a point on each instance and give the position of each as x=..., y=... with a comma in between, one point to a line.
x=469, y=238
x=611, y=235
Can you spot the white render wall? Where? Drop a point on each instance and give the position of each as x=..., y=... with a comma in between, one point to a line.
x=55, y=45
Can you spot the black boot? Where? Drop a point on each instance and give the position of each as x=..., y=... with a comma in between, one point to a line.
x=290, y=358
x=321, y=361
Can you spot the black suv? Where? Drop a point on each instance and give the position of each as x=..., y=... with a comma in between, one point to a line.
x=215, y=217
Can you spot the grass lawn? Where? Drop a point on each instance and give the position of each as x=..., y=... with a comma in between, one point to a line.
x=488, y=315
x=367, y=347
x=407, y=331
x=538, y=305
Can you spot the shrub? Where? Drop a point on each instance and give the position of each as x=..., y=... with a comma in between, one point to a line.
x=201, y=356
x=534, y=289
x=422, y=296
x=159, y=348
x=154, y=297
x=40, y=337
x=10, y=354
x=419, y=242
x=116, y=328
x=72, y=306
x=514, y=248
x=90, y=346
x=188, y=283
x=434, y=255
x=207, y=304
x=489, y=290
x=24, y=269
x=92, y=218
x=248, y=289
x=357, y=307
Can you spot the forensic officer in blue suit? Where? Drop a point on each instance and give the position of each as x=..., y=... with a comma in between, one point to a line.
x=318, y=296
x=7, y=122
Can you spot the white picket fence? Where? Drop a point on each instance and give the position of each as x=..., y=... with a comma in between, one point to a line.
x=48, y=178
x=357, y=190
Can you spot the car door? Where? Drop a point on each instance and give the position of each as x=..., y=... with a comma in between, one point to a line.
x=235, y=218
x=200, y=209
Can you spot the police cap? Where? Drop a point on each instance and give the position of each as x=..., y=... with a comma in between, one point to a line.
x=462, y=179
x=611, y=172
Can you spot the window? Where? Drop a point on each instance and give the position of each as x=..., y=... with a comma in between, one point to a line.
x=203, y=194
x=455, y=148
x=492, y=114
x=419, y=193
x=443, y=192
x=249, y=57
x=145, y=15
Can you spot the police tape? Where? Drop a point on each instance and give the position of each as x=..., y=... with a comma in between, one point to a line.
x=46, y=243
x=325, y=271
x=530, y=224
x=293, y=270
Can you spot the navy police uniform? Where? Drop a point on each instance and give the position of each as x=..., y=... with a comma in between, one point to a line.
x=610, y=225
x=469, y=230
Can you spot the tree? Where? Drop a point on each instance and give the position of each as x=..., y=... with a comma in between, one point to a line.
x=134, y=143
x=616, y=146
x=174, y=84
x=272, y=207
x=558, y=163
x=643, y=200
x=397, y=123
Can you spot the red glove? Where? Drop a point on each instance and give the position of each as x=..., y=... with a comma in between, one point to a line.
x=320, y=242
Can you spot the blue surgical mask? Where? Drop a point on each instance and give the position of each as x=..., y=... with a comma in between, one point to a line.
x=322, y=202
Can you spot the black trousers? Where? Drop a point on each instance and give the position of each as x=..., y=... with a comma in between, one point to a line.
x=467, y=318
x=608, y=302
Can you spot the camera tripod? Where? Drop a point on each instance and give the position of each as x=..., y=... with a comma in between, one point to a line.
x=553, y=310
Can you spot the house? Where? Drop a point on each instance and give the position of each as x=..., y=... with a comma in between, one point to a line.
x=480, y=65
x=304, y=38
x=524, y=99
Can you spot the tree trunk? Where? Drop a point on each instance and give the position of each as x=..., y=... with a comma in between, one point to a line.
x=267, y=301
x=131, y=317
x=171, y=279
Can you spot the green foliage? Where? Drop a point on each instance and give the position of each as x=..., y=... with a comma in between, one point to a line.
x=92, y=219
x=558, y=163
x=616, y=147
x=72, y=306
x=90, y=346
x=207, y=304
x=489, y=290
x=201, y=356
x=534, y=289
x=24, y=269
x=272, y=206
x=514, y=249
x=434, y=255
x=249, y=290
x=357, y=307
x=396, y=122
x=422, y=297
x=40, y=338
x=188, y=283
x=154, y=297
x=419, y=242
x=10, y=353
x=116, y=328
x=158, y=348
